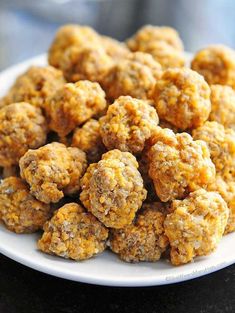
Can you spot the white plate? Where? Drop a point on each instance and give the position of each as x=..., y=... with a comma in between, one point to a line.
x=105, y=269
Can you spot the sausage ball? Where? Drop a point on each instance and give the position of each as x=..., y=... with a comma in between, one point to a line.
x=89, y=63
x=88, y=139
x=114, y=48
x=166, y=55
x=221, y=143
x=149, y=34
x=52, y=171
x=67, y=36
x=127, y=124
x=196, y=225
x=19, y=210
x=227, y=191
x=112, y=189
x=73, y=233
x=182, y=97
x=217, y=65
x=144, y=240
x=73, y=105
x=133, y=76
x=223, y=105
x=35, y=86
x=179, y=165
x=22, y=127
x=163, y=43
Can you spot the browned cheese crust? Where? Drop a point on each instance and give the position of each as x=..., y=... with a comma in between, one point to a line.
x=133, y=76
x=182, y=97
x=22, y=127
x=112, y=189
x=221, y=143
x=128, y=123
x=88, y=139
x=73, y=105
x=34, y=86
x=53, y=170
x=19, y=210
x=145, y=239
x=196, y=226
x=217, y=65
x=73, y=233
x=179, y=165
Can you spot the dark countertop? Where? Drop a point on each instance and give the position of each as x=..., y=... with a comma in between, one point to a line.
x=23, y=290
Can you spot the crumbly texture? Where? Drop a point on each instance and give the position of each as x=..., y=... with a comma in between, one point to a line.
x=112, y=189
x=73, y=233
x=88, y=139
x=67, y=36
x=179, y=165
x=35, y=86
x=144, y=240
x=19, y=210
x=149, y=34
x=22, y=127
x=134, y=76
x=73, y=105
x=223, y=105
x=182, y=97
x=227, y=191
x=91, y=63
x=128, y=123
x=166, y=55
x=53, y=170
x=221, y=143
x=217, y=65
x=196, y=226
x=114, y=48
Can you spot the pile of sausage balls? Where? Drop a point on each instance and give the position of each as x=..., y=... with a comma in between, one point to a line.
x=124, y=146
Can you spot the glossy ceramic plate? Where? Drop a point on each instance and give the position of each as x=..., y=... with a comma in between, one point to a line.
x=105, y=269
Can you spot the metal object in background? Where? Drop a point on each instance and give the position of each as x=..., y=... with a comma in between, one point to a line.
x=27, y=27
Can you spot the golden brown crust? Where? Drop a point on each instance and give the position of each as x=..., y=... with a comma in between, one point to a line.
x=34, y=86
x=22, y=127
x=227, y=192
x=128, y=123
x=88, y=139
x=114, y=48
x=88, y=62
x=196, y=225
x=182, y=97
x=112, y=189
x=73, y=105
x=19, y=210
x=134, y=76
x=73, y=233
x=144, y=240
x=163, y=43
x=223, y=105
x=67, y=36
x=179, y=165
x=221, y=143
x=217, y=65
x=166, y=55
x=149, y=34
x=53, y=170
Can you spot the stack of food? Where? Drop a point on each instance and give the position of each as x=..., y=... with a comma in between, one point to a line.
x=121, y=146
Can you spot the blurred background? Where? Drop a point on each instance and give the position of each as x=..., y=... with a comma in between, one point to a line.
x=27, y=27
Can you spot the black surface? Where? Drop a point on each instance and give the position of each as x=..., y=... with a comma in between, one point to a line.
x=23, y=290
